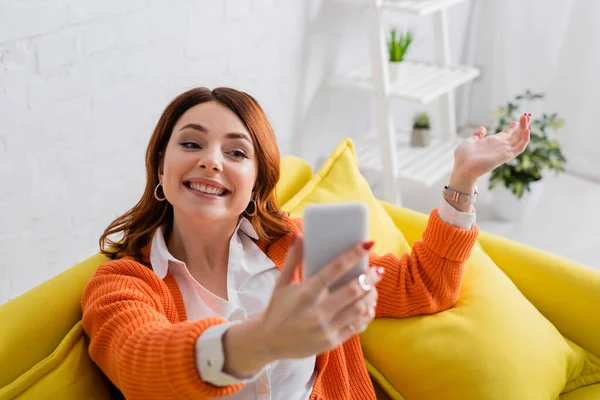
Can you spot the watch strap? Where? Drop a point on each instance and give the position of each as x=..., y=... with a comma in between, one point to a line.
x=458, y=197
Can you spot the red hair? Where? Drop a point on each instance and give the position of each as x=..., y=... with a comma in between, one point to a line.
x=139, y=223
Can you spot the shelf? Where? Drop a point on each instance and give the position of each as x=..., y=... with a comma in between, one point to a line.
x=420, y=8
x=416, y=81
x=423, y=7
x=424, y=165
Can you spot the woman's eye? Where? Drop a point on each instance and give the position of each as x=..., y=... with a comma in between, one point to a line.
x=238, y=154
x=189, y=145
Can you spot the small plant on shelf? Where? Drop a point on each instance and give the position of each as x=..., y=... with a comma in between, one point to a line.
x=398, y=45
x=542, y=154
x=420, y=131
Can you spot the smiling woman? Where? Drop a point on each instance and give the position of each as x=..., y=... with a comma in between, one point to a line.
x=203, y=297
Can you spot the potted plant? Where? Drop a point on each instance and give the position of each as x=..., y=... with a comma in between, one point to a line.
x=397, y=47
x=517, y=184
x=420, y=131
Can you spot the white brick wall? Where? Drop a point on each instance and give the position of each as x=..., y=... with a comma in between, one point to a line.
x=82, y=83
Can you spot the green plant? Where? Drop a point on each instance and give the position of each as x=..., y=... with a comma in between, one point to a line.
x=397, y=47
x=543, y=153
x=421, y=121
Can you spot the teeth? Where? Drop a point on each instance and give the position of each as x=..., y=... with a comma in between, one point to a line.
x=207, y=189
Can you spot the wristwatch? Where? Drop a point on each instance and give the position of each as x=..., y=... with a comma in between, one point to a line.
x=458, y=197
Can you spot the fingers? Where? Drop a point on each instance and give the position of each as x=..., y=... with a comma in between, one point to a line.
x=523, y=141
x=510, y=129
x=338, y=267
x=356, y=315
x=293, y=259
x=522, y=133
x=351, y=292
x=522, y=124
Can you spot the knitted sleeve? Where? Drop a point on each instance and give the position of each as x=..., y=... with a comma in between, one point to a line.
x=428, y=279
x=136, y=338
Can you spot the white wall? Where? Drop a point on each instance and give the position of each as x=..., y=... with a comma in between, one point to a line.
x=555, y=53
x=82, y=84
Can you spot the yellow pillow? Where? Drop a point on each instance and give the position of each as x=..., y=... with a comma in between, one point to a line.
x=339, y=180
x=294, y=173
x=492, y=345
x=68, y=373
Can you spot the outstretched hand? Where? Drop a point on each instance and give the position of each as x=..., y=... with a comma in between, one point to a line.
x=480, y=154
x=303, y=319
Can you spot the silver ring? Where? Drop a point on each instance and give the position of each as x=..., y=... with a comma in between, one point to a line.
x=362, y=281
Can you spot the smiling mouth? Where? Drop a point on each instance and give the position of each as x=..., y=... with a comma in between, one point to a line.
x=207, y=189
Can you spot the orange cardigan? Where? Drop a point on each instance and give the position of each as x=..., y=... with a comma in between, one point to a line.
x=140, y=338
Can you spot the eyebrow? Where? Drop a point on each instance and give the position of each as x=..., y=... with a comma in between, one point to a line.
x=232, y=135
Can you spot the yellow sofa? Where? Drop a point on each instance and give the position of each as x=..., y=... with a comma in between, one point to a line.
x=43, y=349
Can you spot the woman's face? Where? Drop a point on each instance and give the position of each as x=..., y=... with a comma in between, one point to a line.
x=209, y=167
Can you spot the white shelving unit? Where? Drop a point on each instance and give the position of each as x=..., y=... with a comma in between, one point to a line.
x=417, y=7
x=385, y=150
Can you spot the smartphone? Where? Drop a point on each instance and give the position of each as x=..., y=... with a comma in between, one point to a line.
x=329, y=230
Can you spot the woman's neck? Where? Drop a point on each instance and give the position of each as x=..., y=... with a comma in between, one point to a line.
x=201, y=245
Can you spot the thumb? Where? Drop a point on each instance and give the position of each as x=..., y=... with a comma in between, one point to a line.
x=479, y=133
x=293, y=259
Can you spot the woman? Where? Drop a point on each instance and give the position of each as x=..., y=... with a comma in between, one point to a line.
x=204, y=296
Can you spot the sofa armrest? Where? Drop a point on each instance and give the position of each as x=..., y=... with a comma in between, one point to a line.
x=34, y=323
x=565, y=292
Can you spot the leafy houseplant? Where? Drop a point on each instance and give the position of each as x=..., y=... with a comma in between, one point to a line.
x=542, y=152
x=397, y=47
x=420, y=131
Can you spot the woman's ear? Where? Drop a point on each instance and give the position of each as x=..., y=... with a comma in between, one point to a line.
x=161, y=166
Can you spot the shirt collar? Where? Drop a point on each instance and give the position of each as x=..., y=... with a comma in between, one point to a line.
x=246, y=226
x=160, y=255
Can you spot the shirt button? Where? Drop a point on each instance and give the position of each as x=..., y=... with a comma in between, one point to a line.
x=263, y=389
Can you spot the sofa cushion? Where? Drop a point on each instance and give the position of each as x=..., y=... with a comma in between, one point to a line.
x=492, y=345
x=294, y=174
x=591, y=392
x=35, y=323
x=67, y=373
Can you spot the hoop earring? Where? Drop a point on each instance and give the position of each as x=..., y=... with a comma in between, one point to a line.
x=254, y=209
x=156, y=193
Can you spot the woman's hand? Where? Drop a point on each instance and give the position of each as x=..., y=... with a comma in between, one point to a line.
x=304, y=319
x=481, y=154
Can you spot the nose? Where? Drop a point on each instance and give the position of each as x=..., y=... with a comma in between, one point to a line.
x=210, y=161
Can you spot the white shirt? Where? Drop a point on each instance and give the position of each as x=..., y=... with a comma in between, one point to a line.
x=251, y=278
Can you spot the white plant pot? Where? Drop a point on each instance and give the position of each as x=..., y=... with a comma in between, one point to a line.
x=394, y=69
x=507, y=207
x=419, y=137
